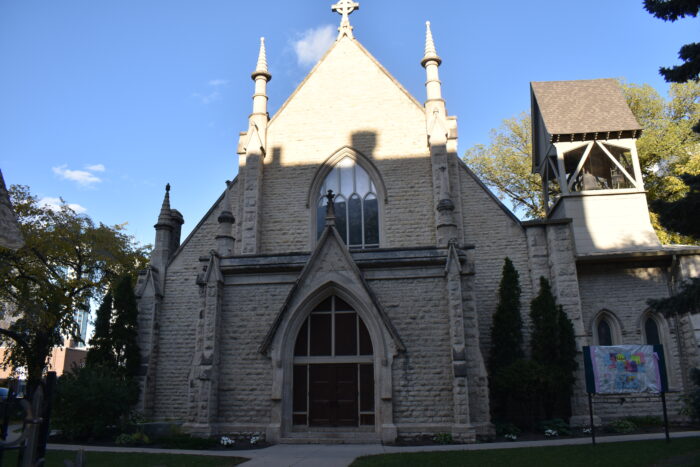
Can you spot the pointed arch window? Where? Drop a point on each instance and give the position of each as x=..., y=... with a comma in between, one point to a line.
x=604, y=333
x=652, y=336
x=606, y=329
x=356, y=205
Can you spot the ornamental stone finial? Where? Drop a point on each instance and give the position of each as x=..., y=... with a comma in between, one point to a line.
x=164, y=216
x=344, y=8
x=330, y=208
x=261, y=67
x=430, y=52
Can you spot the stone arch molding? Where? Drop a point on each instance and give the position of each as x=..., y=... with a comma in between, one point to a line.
x=666, y=340
x=384, y=350
x=330, y=271
x=322, y=172
x=326, y=166
x=616, y=327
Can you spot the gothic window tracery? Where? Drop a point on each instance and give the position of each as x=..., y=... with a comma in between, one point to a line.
x=356, y=204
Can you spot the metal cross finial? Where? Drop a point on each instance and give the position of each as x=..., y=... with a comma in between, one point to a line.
x=330, y=207
x=345, y=7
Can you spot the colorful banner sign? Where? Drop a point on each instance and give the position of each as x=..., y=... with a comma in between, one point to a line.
x=623, y=369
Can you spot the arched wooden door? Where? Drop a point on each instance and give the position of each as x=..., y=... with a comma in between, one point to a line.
x=333, y=381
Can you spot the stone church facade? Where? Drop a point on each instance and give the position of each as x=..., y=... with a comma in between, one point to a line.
x=371, y=319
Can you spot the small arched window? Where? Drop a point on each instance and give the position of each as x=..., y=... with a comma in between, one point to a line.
x=651, y=331
x=356, y=205
x=607, y=329
x=604, y=333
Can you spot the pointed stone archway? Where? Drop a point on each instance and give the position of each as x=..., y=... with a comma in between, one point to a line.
x=332, y=274
x=334, y=374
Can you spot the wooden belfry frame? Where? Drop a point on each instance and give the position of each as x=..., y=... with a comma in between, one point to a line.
x=591, y=386
x=589, y=146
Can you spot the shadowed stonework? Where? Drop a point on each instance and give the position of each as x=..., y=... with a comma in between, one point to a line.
x=371, y=323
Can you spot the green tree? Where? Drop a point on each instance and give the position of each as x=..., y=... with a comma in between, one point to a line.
x=506, y=332
x=682, y=215
x=669, y=149
x=100, y=352
x=66, y=262
x=92, y=402
x=505, y=165
x=686, y=300
x=672, y=10
x=554, y=348
x=123, y=333
x=506, y=343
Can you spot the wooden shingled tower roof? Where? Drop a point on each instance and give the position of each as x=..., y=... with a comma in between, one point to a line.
x=579, y=110
x=584, y=106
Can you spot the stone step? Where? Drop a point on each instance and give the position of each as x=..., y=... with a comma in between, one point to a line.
x=331, y=438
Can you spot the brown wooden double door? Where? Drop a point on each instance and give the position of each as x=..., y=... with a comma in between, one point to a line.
x=336, y=394
x=333, y=395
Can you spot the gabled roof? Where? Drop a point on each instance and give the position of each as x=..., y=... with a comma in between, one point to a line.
x=324, y=58
x=583, y=106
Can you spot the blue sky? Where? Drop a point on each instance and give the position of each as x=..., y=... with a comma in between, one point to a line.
x=102, y=103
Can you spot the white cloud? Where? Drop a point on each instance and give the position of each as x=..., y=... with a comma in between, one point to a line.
x=218, y=82
x=208, y=98
x=55, y=204
x=82, y=177
x=95, y=168
x=313, y=43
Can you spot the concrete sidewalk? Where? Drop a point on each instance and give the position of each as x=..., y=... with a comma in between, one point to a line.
x=341, y=455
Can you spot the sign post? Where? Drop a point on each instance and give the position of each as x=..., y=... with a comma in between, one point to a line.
x=625, y=369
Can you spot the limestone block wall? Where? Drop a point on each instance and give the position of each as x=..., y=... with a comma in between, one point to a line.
x=178, y=317
x=245, y=380
x=348, y=100
x=623, y=289
x=495, y=234
x=422, y=376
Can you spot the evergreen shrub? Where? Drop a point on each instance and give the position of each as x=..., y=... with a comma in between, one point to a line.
x=91, y=403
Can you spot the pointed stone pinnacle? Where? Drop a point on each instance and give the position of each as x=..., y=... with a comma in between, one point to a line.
x=164, y=215
x=261, y=67
x=430, y=52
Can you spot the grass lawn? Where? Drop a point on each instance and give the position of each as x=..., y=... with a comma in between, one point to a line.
x=112, y=459
x=680, y=452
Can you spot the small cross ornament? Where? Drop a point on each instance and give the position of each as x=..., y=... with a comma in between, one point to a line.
x=344, y=8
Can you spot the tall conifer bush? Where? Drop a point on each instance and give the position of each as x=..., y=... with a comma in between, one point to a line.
x=94, y=401
x=554, y=348
x=100, y=352
x=506, y=355
x=124, y=331
x=506, y=332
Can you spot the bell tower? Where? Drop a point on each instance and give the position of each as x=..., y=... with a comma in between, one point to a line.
x=584, y=147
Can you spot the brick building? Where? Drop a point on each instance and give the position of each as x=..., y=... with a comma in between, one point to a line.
x=373, y=321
